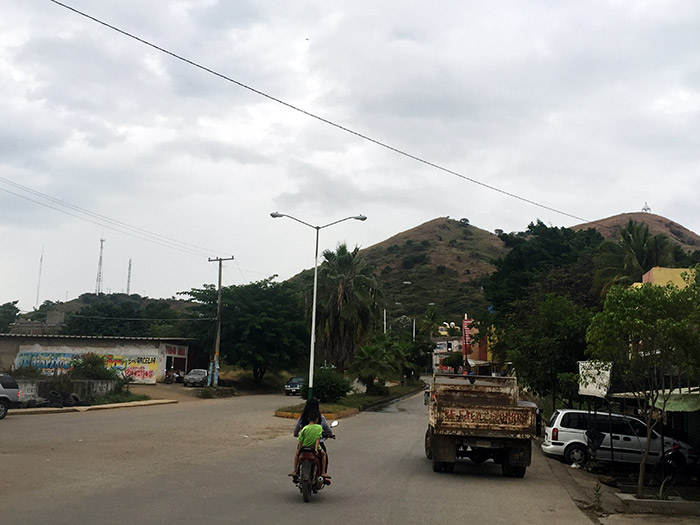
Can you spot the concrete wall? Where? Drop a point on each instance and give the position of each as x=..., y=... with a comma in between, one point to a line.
x=144, y=360
x=38, y=389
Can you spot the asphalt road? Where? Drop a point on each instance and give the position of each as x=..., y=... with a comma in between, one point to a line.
x=226, y=461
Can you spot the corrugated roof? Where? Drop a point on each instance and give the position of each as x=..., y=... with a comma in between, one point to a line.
x=102, y=337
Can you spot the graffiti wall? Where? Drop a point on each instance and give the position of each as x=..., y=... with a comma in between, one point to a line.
x=141, y=364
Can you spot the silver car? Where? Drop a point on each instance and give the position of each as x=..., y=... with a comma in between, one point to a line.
x=622, y=438
x=9, y=394
x=196, y=377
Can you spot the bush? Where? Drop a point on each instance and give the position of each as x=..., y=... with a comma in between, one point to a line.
x=92, y=366
x=26, y=372
x=329, y=386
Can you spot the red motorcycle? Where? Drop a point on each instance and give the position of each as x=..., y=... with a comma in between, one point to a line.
x=308, y=477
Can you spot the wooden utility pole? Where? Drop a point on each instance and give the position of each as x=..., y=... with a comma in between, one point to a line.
x=213, y=379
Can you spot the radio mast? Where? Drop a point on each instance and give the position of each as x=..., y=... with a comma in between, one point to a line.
x=38, y=284
x=128, y=279
x=98, y=284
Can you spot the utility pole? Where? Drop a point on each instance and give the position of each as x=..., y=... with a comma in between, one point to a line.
x=214, y=374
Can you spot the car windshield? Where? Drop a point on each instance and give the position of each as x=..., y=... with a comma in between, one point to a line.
x=198, y=372
x=296, y=380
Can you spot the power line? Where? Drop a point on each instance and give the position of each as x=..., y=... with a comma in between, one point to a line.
x=103, y=220
x=317, y=117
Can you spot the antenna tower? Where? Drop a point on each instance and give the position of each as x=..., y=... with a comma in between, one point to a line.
x=98, y=284
x=38, y=284
x=128, y=280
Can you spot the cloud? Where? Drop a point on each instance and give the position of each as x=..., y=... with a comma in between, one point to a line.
x=588, y=108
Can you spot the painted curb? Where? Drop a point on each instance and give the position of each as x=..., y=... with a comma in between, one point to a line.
x=330, y=416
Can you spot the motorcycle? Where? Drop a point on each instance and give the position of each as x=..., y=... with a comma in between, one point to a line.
x=307, y=477
x=673, y=464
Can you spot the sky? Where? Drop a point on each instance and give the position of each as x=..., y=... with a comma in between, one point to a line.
x=502, y=112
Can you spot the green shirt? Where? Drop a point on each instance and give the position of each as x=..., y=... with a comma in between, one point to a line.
x=309, y=434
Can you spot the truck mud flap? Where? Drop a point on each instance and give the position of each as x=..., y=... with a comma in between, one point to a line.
x=444, y=448
x=520, y=454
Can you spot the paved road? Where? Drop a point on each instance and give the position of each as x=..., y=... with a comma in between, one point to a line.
x=225, y=461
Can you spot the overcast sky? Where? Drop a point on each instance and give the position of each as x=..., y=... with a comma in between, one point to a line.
x=591, y=108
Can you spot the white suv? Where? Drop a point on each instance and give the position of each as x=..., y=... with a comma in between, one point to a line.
x=623, y=438
x=9, y=394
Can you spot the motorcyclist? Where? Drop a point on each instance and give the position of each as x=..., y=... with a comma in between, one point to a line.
x=312, y=404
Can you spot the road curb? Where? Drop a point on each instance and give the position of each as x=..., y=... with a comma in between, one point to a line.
x=65, y=410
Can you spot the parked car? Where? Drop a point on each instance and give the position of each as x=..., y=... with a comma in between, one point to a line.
x=9, y=394
x=622, y=438
x=293, y=386
x=196, y=377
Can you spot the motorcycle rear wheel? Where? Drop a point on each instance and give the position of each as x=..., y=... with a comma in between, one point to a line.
x=306, y=480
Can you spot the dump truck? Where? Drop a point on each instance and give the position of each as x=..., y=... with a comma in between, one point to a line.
x=479, y=418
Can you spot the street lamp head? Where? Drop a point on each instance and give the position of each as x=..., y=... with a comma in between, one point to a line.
x=276, y=215
x=360, y=217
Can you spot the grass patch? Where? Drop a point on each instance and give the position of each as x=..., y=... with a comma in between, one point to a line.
x=119, y=397
x=211, y=392
x=359, y=401
x=242, y=380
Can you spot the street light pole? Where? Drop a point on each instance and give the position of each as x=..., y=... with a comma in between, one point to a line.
x=276, y=215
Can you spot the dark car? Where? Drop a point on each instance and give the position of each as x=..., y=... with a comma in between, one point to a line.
x=293, y=386
x=196, y=377
x=9, y=394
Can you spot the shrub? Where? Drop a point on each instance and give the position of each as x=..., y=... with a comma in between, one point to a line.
x=28, y=372
x=329, y=386
x=92, y=366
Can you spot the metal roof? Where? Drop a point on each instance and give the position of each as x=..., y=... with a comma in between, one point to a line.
x=100, y=337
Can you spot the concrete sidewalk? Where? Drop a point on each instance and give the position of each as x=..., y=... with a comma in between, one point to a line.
x=611, y=506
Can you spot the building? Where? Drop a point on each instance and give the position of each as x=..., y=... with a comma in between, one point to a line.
x=144, y=359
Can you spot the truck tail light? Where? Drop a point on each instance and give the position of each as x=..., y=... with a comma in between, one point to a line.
x=555, y=434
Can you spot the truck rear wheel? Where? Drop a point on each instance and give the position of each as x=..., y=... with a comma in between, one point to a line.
x=429, y=443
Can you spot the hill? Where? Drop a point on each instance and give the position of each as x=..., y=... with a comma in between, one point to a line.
x=442, y=261
x=609, y=227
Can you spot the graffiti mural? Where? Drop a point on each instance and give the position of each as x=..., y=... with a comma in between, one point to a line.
x=140, y=367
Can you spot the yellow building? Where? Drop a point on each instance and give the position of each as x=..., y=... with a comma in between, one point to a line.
x=663, y=276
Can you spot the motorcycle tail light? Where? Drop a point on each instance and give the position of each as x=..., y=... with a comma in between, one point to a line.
x=555, y=434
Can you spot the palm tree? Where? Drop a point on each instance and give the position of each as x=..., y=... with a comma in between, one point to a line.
x=347, y=309
x=635, y=252
x=373, y=363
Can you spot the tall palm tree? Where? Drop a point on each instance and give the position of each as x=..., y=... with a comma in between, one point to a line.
x=347, y=309
x=631, y=255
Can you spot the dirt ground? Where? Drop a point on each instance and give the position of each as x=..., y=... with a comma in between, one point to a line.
x=176, y=391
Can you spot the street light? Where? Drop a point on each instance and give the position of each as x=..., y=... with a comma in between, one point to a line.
x=277, y=215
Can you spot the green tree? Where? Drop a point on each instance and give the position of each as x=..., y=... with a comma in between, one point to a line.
x=347, y=309
x=262, y=325
x=107, y=315
x=545, y=340
x=373, y=363
x=8, y=314
x=631, y=255
x=648, y=333
x=533, y=255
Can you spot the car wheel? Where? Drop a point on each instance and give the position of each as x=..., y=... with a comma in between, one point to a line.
x=287, y=394
x=576, y=454
x=3, y=408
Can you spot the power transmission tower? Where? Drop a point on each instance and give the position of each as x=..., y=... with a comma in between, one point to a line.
x=98, y=284
x=38, y=284
x=128, y=279
x=214, y=377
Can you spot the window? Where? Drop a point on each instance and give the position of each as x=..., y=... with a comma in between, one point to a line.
x=575, y=420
